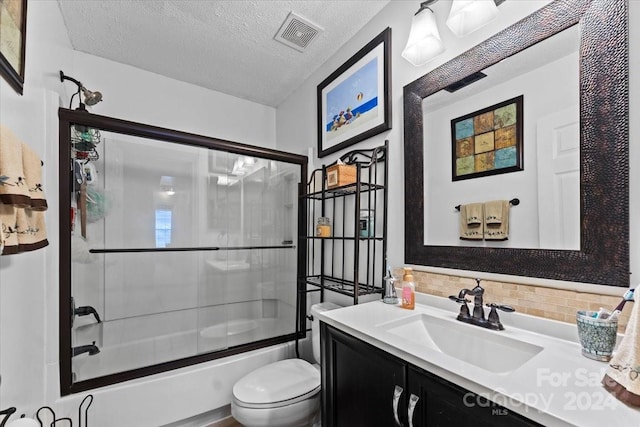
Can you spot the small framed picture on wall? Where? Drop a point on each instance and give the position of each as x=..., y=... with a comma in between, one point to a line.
x=354, y=101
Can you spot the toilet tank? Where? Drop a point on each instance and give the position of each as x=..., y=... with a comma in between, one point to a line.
x=315, y=326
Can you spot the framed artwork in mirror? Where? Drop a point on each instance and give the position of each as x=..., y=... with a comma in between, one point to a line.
x=13, y=30
x=488, y=141
x=354, y=102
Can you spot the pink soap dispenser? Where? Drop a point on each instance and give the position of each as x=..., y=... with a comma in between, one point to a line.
x=408, y=290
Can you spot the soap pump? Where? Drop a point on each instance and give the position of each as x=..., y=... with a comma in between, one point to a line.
x=408, y=290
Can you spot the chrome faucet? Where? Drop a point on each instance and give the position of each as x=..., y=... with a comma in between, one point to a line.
x=477, y=318
x=92, y=349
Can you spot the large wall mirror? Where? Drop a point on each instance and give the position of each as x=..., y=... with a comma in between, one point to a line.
x=569, y=62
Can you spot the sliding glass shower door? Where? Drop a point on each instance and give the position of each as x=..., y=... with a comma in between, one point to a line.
x=176, y=251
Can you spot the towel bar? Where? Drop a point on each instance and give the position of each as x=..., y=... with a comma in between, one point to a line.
x=512, y=202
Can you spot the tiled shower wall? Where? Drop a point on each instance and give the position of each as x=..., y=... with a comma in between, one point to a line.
x=557, y=304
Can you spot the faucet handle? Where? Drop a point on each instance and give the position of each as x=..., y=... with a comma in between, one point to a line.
x=459, y=300
x=502, y=307
x=493, y=318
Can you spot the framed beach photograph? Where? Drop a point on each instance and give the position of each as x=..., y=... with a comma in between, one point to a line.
x=13, y=30
x=488, y=141
x=354, y=102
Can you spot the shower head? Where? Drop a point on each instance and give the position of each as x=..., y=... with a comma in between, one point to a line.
x=90, y=98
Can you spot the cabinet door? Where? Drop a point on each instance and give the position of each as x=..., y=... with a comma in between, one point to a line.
x=358, y=383
x=443, y=404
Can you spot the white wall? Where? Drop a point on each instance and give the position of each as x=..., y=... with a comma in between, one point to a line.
x=296, y=118
x=141, y=96
x=29, y=282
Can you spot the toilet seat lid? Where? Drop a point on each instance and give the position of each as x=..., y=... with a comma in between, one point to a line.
x=283, y=381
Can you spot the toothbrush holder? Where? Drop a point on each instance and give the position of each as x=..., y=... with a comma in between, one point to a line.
x=597, y=336
x=390, y=296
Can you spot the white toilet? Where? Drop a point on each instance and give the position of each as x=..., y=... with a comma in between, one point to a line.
x=284, y=393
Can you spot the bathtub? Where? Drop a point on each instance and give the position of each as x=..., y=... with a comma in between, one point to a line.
x=119, y=357
x=171, y=396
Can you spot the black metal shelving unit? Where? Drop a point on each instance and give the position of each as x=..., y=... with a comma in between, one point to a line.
x=347, y=262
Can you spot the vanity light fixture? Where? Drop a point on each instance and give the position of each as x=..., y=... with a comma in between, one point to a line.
x=424, y=42
x=466, y=16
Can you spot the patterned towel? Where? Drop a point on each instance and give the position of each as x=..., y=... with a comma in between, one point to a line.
x=31, y=230
x=471, y=221
x=32, y=167
x=622, y=378
x=496, y=218
x=13, y=185
x=8, y=229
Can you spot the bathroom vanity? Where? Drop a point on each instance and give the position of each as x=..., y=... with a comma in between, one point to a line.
x=383, y=365
x=359, y=378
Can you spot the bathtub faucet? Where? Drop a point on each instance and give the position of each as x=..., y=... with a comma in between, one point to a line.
x=92, y=349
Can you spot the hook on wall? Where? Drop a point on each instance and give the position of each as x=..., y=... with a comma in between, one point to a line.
x=7, y=413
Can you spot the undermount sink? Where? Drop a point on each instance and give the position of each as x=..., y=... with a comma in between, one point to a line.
x=482, y=348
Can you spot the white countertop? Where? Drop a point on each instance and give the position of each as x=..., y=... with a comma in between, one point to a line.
x=556, y=387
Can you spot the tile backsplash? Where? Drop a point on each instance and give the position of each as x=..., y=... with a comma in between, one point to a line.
x=557, y=304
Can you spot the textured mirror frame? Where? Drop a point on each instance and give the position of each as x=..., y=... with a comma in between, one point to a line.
x=603, y=257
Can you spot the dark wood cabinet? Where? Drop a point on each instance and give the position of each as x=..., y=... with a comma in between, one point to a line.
x=365, y=386
x=359, y=382
x=443, y=404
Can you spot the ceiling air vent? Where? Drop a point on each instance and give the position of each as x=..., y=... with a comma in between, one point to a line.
x=297, y=32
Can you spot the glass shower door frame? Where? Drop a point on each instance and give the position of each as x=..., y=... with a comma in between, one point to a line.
x=69, y=118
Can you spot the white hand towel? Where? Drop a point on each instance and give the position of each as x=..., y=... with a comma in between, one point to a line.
x=622, y=378
x=13, y=185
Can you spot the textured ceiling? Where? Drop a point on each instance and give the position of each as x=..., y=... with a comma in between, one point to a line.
x=227, y=46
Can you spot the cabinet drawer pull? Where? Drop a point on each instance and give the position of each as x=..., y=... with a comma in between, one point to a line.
x=413, y=401
x=397, y=392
